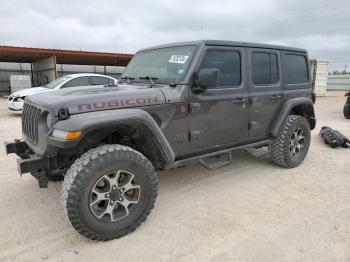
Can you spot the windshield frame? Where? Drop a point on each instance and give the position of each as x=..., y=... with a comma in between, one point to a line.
x=181, y=80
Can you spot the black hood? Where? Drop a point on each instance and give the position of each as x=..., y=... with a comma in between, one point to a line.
x=84, y=99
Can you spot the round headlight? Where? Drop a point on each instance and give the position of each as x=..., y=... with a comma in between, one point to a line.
x=49, y=120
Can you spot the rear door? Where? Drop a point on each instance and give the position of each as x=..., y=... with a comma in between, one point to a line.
x=219, y=115
x=266, y=90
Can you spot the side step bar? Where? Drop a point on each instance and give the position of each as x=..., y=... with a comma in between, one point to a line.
x=217, y=164
x=195, y=159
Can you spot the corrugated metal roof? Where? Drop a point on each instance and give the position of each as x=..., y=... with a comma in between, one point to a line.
x=29, y=55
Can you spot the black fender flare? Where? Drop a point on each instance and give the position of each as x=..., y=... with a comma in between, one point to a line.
x=287, y=108
x=109, y=119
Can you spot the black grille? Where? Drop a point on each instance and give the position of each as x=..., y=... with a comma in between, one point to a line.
x=30, y=121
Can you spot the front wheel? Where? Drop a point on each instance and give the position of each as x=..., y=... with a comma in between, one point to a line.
x=290, y=148
x=109, y=191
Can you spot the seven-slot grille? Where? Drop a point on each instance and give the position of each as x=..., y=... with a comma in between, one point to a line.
x=30, y=122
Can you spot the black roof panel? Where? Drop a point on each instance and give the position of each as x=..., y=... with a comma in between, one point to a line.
x=228, y=43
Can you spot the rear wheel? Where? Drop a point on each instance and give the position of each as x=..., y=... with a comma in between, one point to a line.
x=290, y=148
x=346, y=110
x=109, y=192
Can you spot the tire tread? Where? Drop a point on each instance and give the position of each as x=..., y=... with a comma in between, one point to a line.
x=77, y=176
x=279, y=144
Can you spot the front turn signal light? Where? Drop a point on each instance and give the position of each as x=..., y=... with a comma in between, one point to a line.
x=73, y=135
x=64, y=135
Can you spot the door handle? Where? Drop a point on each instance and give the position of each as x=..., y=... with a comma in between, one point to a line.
x=275, y=97
x=239, y=101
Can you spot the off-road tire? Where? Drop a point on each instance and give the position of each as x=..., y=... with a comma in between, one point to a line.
x=280, y=148
x=88, y=169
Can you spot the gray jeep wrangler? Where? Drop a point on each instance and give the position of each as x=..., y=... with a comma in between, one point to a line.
x=174, y=104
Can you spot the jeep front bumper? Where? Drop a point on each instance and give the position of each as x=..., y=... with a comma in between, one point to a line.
x=28, y=162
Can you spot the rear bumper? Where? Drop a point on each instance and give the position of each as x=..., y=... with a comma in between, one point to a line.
x=28, y=162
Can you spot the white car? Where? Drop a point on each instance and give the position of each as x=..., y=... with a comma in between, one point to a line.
x=15, y=100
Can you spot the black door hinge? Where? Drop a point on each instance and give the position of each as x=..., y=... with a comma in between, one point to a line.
x=252, y=125
x=195, y=107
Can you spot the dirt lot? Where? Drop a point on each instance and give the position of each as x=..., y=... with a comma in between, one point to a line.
x=249, y=211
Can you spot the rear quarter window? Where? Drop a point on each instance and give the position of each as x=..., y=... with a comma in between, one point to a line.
x=295, y=69
x=264, y=68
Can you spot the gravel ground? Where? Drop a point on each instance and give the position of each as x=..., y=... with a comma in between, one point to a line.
x=248, y=211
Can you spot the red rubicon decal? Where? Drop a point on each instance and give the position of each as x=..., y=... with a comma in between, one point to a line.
x=119, y=103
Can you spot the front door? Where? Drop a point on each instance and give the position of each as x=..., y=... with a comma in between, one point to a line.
x=266, y=92
x=219, y=115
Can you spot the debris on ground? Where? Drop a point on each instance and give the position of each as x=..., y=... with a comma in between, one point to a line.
x=334, y=138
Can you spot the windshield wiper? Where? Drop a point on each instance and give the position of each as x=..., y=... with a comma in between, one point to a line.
x=151, y=79
x=127, y=78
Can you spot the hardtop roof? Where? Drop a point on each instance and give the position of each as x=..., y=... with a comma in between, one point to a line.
x=228, y=43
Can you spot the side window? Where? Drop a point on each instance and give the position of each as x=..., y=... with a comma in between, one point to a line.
x=98, y=80
x=264, y=68
x=229, y=65
x=295, y=69
x=79, y=81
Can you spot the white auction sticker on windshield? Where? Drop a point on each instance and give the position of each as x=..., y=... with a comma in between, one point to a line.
x=178, y=59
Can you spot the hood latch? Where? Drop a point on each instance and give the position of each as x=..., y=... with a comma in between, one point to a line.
x=63, y=113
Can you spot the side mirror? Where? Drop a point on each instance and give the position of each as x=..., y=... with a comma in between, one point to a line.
x=207, y=77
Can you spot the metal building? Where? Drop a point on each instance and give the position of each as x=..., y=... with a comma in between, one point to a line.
x=339, y=82
x=321, y=80
x=45, y=65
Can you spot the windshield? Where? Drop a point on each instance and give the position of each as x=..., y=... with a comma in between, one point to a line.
x=56, y=82
x=162, y=65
